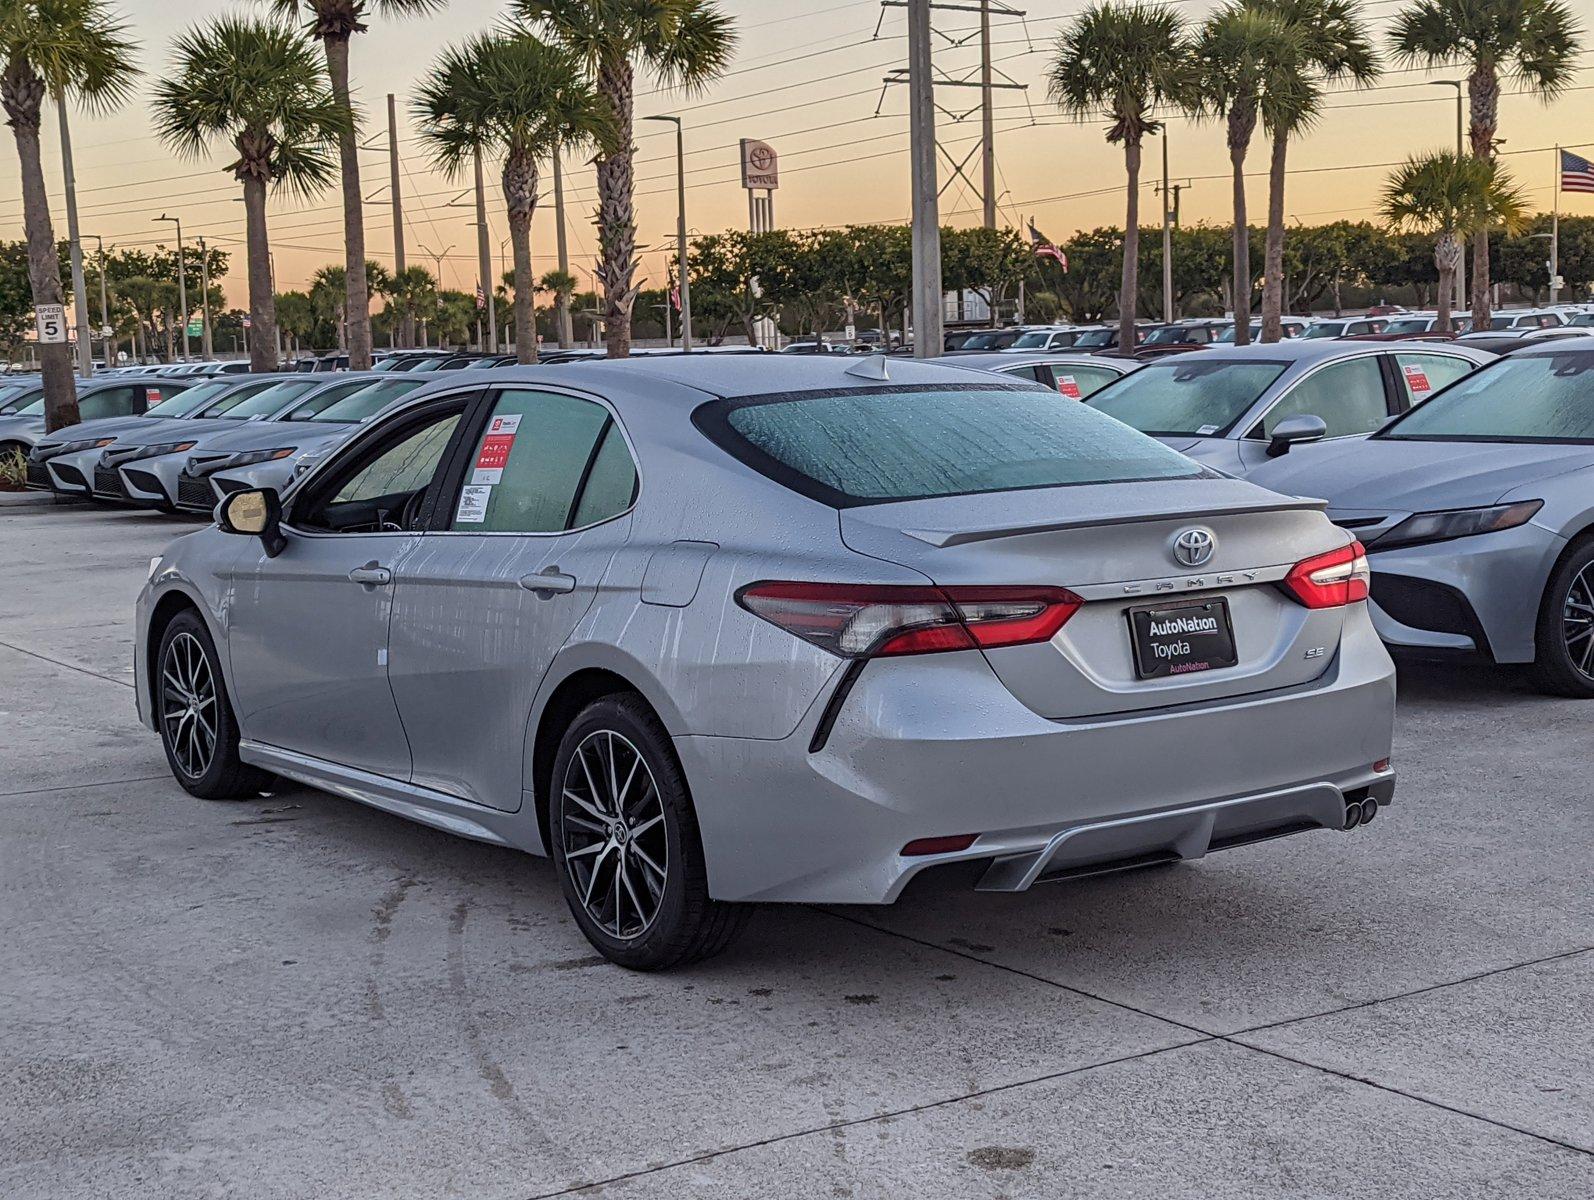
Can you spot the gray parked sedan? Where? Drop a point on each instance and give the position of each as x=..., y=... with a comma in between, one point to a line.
x=725, y=629
x=1477, y=510
x=1235, y=407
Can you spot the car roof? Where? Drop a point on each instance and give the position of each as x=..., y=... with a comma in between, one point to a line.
x=1542, y=348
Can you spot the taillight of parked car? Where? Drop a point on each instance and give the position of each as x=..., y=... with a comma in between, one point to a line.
x=1330, y=580
x=879, y=620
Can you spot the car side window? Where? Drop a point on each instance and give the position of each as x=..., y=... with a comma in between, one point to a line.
x=111, y=402
x=382, y=488
x=1348, y=395
x=1031, y=372
x=1424, y=374
x=530, y=462
x=1077, y=382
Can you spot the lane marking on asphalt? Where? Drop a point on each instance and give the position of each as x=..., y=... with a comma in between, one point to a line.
x=127, y=683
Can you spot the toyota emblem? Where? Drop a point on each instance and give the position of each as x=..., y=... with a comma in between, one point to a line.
x=1194, y=547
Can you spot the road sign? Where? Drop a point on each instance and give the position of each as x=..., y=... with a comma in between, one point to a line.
x=50, y=320
x=196, y=326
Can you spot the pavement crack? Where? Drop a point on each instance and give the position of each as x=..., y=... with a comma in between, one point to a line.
x=72, y=787
x=57, y=662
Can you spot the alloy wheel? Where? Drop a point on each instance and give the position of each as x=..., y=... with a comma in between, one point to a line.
x=615, y=838
x=1577, y=621
x=188, y=704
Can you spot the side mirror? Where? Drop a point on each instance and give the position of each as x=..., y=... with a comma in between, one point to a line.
x=1294, y=430
x=254, y=513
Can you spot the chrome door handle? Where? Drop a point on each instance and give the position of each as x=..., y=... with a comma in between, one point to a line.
x=371, y=575
x=549, y=582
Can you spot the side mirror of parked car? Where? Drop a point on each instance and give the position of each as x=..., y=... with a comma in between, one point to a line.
x=257, y=513
x=1293, y=430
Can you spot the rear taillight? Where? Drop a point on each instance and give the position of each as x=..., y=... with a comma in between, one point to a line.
x=876, y=620
x=1330, y=580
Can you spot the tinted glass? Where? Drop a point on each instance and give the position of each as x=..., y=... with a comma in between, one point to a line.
x=611, y=484
x=36, y=406
x=111, y=402
x=262, y=403
x=403, y=468
x=367, y=401
x=1031, y=341
x=1031, y=373
x=1537, y=398
x=529, y=462
x=1229, y=334
x=899, y=444
x=1349, y=396
x=1094, y=337
x=1323, y=331
x=1409, y=325
x=1078, y=381
x=317, y=402
x=190, y=400
x=1188, y=395
x=1424, y=374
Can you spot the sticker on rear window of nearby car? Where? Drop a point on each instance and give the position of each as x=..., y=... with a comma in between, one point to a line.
x=1067, y=386
x=1417, y=380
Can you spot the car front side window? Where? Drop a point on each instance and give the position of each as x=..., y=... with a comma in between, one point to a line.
x=384, y=486
x=1349, y=396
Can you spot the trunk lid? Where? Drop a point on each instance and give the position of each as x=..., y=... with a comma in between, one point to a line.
x=1113, y=545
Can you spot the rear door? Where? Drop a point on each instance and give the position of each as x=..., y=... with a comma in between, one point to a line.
x=512, y=561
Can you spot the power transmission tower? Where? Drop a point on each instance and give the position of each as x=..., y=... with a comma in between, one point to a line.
x=984, y=78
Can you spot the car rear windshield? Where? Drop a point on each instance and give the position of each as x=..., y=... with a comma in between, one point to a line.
x=1189, y=395
x=1521, y=398
x=876, y=445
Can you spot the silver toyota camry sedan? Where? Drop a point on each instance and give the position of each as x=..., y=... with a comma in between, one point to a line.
x=723, y=630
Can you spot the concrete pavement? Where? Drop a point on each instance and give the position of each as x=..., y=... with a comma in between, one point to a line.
x=295, y=996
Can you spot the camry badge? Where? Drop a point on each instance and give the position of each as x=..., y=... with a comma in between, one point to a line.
x=1194, y=547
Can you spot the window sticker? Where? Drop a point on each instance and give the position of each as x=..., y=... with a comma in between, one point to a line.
x=494, y=452
x=505, y=424
x=473, y=500
x=1417, y=380
x=1067, y=386
x=487, y=475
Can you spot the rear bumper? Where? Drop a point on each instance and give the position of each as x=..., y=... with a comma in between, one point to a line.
x=937, y=747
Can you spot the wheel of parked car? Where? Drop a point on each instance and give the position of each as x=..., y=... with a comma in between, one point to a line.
x=625, y=840
x=1565, y=636
x=196, y=720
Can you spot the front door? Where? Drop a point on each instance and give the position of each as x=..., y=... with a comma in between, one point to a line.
x=513, y=560
x=309, y=628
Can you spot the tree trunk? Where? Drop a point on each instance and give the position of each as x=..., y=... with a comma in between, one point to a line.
x=22, y=94
x=1242, y=124
x=262, y=304
x=1129, y=282
x=1447, y=254
x=1483, y=97
x=520, y=200
x=1273, y=264
x=356, y=288
x=616, y=210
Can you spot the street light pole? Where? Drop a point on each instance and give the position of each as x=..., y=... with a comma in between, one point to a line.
x=80, y=301
x=682, y=276
x=1167, y=237
x=105, y=300
x=1461, y=267
x=182, y=282
x=204, y=300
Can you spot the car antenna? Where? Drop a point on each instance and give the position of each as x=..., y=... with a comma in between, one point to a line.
x=873, y=367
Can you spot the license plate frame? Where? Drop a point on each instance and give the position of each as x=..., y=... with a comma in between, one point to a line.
x=1204, y=649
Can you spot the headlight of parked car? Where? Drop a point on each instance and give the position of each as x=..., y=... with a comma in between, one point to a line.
x=46, y=452
x=1458, y=523
x=244, y=458
x=157, y=450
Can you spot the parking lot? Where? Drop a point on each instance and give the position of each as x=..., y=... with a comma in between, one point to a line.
x=297, y=996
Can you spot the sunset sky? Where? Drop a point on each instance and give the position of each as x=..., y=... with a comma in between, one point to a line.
x=807, y=78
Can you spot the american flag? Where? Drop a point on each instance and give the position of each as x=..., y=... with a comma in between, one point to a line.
x=1045, y=248
x=675, y=297
x=1577, y=174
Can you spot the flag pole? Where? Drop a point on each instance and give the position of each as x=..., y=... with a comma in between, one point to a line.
x=1555, y=230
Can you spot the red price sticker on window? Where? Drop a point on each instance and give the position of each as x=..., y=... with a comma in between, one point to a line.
x=494, y=454
x=1067, y=386
x=152, y=397
x=1417, y=381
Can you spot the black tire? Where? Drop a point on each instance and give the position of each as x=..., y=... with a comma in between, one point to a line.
x=220, y=775
x=1564, y=639
x=686, y=925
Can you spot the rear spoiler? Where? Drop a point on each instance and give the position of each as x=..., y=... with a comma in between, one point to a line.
x=942, y=538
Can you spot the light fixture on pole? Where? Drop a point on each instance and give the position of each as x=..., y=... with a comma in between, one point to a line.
x=182, y=282
x=681, y=274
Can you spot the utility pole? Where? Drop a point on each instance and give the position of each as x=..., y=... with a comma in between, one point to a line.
x=927, y=337
x=1555, y=231
x=204, y=283
x=80, y=300
x=484, y=255
x=987, y=120
x=406, y=331
x=567, y=337
x=182, y=283
x=1167, y=237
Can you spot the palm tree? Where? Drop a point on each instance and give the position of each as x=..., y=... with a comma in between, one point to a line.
x=258, y=84
x=1453, y=198
x=329, y=294
x=1242, y=60
x=685, y=44
x=1332, y=47
x=1534, y=42
x=295, y=316
x=523, y=99
x=412, y=294
x=334, y=22
x=1123, y=60
x=73, y=49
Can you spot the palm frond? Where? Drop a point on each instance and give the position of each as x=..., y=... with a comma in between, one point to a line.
x=1121, y=61
x=79, y=48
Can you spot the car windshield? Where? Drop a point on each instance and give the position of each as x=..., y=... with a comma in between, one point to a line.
x=1409, y=325
x=1172, y=335
x=1189, y=394
x=1332, y=329
x=1582, y=319
x=1506, y=322
x=1229, y=334
x=1033, y=341
x=1521, y=398
x=180, y=404
x=259, y=404
x=905, y=443
x=369, y=400
x=1095, y=337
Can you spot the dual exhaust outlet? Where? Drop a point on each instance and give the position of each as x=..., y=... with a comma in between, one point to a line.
x=1359, y=812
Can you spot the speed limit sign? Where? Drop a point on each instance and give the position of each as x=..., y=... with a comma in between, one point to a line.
x=51, y=321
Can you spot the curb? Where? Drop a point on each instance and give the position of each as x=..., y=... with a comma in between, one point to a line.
x=25, y=499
